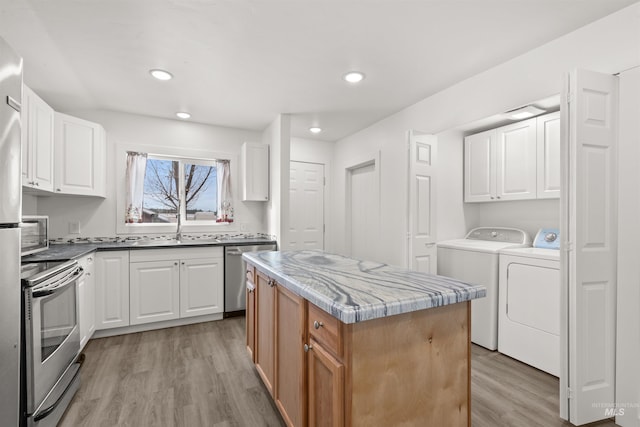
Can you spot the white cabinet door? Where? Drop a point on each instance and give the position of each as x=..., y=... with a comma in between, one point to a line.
x=86, y=300
x=548, y=145
x=479, y=169
x=516, y=161
x=254, y=171
x=37, y=142
x=112, y=289
x=154, y=291
x=80, y=156
x=201, y=286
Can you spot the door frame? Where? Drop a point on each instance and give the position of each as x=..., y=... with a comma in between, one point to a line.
x=362, y=161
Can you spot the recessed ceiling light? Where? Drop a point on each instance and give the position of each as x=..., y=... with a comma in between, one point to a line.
x=183, y=115
x=524, y=112
x=161, y=74
x=353, y=77
x=315, y=129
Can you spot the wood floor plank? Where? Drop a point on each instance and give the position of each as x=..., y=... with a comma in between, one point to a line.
x=201, y=375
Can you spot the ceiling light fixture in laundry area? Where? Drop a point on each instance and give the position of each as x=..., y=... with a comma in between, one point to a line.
x=183, y=115
x=315, y=129
x=161, y=74
x=524, y=112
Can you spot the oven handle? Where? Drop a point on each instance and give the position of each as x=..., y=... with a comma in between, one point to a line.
x=45, y=412
x=60, y=286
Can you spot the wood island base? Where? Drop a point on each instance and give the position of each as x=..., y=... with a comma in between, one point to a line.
x=410, y=369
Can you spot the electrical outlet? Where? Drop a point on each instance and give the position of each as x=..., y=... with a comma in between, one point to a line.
x=74, y=228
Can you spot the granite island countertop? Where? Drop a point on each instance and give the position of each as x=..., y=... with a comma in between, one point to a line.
x=352, y=290
x=67, y=251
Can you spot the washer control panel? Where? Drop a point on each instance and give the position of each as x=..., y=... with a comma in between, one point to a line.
x=547, y=238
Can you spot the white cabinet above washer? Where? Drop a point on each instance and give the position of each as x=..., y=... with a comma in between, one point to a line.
x=519, y=161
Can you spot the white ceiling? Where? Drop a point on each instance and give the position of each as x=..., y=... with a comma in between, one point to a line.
x=239, y=63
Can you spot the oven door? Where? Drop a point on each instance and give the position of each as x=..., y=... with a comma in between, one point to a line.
x=51, y=332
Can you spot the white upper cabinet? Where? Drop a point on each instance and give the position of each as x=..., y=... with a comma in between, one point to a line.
x=519, y=161
x=479, y=168
x=80, y=156
x=37, y=142
x=516, y=161
x=549, y=156
x=254, y=171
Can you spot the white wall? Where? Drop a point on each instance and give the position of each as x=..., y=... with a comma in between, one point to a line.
x=277, y=136
x=29, y=204
x=313, y=151
x=628, y=323
x=98, y=216
x=609, y=45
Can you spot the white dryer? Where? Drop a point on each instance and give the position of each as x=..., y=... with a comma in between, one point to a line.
x=474, y=259
x=529, y=303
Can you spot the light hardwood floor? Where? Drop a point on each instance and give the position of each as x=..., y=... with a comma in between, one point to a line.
x=200, y=375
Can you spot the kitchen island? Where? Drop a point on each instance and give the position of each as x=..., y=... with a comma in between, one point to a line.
x=344, y=342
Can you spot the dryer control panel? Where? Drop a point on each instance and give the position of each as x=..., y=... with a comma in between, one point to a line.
x=547, y=238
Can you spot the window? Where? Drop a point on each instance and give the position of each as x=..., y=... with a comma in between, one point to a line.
x=164, y=191
x=161, y=187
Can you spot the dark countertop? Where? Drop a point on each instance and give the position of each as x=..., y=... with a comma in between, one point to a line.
x=67, y=251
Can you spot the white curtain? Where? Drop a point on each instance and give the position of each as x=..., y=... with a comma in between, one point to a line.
x=225, y=206
x=136, y=168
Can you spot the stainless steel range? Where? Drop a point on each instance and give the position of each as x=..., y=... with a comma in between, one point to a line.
x=50, y=340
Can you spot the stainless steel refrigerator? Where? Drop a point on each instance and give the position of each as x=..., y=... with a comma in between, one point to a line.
x=10, y=213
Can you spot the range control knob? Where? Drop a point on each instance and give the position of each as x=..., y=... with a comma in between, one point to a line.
x=550, y=237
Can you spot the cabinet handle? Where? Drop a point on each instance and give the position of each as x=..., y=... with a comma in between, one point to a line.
x=492, y=197
x=497, y=197
x=307, y=347
x=317, y=324
x=175, y=263
x=57, y=189
x=36, y=183
x=182, y=262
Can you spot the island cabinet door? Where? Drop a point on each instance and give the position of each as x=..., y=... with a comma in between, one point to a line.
x=290, y=339
x=250, y=317
x=325, y=394
x=265, y=329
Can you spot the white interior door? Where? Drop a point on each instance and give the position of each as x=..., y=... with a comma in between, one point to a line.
x=306, y=205
x=363, y=210
x=422, y=203
x=589, y=221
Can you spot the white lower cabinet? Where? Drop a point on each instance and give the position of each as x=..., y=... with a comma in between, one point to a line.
x=167, y=284
x=87, y=299
x=154, y=291
x=201, y=286
x=112, y=289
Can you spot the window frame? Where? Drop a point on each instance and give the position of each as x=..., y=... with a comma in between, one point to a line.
x=168, y=153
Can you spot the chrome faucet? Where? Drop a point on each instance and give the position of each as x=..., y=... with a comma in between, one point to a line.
x=179, y=228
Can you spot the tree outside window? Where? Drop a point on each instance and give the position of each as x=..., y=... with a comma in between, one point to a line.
x=165, y=188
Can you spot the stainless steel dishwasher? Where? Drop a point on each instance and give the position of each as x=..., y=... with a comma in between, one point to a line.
x=234, y=276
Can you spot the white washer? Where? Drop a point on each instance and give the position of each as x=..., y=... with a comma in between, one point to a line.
x=474, y=259
x=529, y=303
